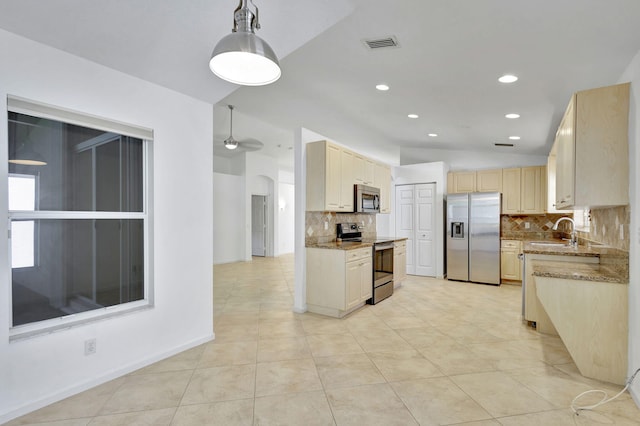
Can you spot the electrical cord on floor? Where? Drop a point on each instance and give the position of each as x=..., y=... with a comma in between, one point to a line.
x=604, y=399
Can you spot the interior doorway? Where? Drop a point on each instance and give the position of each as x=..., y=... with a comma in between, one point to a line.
x=259, y=225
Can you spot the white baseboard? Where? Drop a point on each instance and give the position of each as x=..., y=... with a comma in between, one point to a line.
x=95, y=381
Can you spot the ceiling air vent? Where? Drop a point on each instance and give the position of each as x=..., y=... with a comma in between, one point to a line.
x=380, y=43
x=503, y=144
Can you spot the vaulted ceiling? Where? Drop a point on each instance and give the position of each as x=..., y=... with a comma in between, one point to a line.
x=445, y=69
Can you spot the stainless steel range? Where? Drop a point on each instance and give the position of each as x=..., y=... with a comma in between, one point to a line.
x=382, y=261
x=382, y=271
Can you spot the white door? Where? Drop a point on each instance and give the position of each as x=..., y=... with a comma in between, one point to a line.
x=258, y=225
x=415, y=220
x=425, y=256
x=405, y=221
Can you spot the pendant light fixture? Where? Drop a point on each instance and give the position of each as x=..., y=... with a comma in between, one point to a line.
x=230, y=142
x=242, y=57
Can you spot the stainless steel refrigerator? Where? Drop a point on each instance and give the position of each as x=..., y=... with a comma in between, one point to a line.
x=473, y=237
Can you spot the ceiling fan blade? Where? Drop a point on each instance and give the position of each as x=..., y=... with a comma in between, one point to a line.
x=250, y=144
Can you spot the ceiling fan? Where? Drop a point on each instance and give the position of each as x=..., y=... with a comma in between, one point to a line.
x=244, y=145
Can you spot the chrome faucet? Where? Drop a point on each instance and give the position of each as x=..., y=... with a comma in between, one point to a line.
x=574, y=239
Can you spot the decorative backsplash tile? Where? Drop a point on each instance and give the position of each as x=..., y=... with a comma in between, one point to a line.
x=315, y=224
x=605, y=227
x=535, y=227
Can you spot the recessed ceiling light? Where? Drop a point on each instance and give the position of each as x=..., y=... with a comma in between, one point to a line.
x=513, y=115
x=514, y=138
x=382, y=87
x=413, y=115
x=433, y=135
x=508, y=78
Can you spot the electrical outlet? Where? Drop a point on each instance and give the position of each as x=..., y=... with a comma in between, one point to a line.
x=326, y=225
x=622, y=231
x=90, y=347
x=527, y=225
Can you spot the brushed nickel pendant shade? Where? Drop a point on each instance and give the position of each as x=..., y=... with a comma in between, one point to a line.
x=242, y=57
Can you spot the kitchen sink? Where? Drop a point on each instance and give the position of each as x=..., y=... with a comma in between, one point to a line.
x=548, y=244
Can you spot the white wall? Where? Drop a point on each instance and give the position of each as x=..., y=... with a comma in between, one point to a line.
x=286, y=218
x=632, y=74
x=228, y=205
x=426, y=173
x=470, y=160
x=40, y=370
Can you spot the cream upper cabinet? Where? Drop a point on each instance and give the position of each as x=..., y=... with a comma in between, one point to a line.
x=524, y=190
x=363, y=169
x=551, y=182
x=533, y=190
x=329, y=177
x=592, y=149
x=474, y=181
x=382, y=180
x=511, y=191
x=464, y=182
x=489, y=180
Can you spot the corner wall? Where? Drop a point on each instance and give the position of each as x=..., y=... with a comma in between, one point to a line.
x=37, y=371
x=632, y=74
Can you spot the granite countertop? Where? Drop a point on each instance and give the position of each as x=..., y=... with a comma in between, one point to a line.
x=353, y=245
x=609, y=273
x=560, y=247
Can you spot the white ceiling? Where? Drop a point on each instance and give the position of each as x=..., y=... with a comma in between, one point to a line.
x=446, y=68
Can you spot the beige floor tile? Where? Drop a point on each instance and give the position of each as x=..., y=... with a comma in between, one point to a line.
x=274, y=329
x=69, y=422
x=324, y=326
x=347, y=371
x=187, y=360
x=610, y=388
x=235, y=332
x=307, y=408
x=382, y=341
x=551, y=384
x=282, y=377
x=142, y=418
x=283, y=349
x=424, y=336
x=501, y=395
x=369, y=405
x=404, y=322
x=455, y=358
x=232, y=413
x=404, y=365
x=438, y=401
x=562, y=417
x=232, y=353
x=220, y=384
x=85, y=404
x=148, y=392
x=478, y=423
x=332, y=345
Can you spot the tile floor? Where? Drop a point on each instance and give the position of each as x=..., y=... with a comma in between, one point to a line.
x=436, y=353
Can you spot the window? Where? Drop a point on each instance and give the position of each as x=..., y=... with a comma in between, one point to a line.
x=78, y=217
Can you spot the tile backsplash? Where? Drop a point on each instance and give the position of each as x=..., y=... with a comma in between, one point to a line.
x=315, y=231
x=605, y=227
x=535, y=227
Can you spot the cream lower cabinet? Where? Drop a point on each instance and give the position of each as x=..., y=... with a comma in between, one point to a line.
x=399, y=262
x=338, y=281
x=510, y=264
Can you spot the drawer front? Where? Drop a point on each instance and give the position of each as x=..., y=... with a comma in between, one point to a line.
x=510, y=244
x=400, y=245
x=358, y=254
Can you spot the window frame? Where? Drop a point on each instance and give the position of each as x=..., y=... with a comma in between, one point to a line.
x=36, y=228
x=23, y=106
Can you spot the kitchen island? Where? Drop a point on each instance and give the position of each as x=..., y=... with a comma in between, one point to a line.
x=580, y=294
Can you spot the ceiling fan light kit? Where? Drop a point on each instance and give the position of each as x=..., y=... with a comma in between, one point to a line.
x=230, y=142
x=242, y=57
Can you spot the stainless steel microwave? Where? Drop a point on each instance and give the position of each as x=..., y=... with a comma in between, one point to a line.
x=367, y=199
